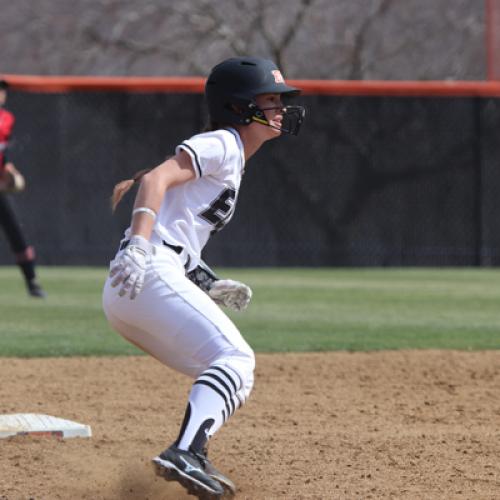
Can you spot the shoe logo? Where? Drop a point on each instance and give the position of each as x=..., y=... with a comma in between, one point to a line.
x=189, y=467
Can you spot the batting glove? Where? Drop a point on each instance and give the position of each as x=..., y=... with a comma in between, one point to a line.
x=130, y=267
x=230, y=293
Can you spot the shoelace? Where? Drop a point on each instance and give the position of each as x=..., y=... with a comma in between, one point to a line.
x=201, y=456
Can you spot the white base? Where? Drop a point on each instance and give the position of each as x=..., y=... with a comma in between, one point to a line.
x=41, y=425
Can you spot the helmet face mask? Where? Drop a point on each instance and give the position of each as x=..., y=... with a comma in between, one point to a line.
x=234, y=84
x=293, y=116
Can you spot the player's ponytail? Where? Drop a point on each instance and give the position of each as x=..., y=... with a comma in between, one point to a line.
x=123, y=187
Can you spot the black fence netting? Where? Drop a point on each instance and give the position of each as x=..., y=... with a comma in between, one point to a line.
x=370, y=181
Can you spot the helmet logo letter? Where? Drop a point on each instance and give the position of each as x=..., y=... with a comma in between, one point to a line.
x=278, y=77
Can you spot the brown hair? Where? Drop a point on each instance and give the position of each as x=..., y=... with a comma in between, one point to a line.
x=124, y=186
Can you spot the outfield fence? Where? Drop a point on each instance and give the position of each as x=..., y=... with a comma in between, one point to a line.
x=382, y=173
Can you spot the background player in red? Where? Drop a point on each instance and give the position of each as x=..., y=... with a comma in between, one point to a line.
x=11, y=181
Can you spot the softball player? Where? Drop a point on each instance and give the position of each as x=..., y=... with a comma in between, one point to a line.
x=12, y=181
x=161, y=296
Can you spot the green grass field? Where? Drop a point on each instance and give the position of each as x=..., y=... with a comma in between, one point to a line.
x=292, y=310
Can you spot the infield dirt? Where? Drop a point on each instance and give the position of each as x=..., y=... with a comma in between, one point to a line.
x=395, y=425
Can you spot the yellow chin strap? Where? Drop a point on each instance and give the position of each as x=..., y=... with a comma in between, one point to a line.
x=260, y=120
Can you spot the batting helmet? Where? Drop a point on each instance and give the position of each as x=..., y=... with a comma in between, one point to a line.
x=233, y=85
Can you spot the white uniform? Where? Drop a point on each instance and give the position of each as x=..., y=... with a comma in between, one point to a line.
x=172, y=319
x=192, y=211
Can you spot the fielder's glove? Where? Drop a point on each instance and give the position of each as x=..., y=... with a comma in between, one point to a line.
x=11, y=180
x=130, y=267
x=229, y=293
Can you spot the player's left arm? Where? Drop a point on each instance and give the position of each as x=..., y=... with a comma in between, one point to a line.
x=230, y=293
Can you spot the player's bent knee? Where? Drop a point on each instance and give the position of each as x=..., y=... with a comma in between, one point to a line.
x=239, y=367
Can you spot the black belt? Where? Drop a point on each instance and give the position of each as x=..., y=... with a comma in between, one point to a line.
x=176, y=248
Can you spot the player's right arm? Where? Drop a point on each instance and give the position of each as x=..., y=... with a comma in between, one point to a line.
x=129, y=268
x=172, y=172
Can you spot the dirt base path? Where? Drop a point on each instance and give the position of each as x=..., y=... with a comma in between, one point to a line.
x=393, y=425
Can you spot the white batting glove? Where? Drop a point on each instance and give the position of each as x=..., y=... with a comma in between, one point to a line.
x=230, y=293
x=130, y=267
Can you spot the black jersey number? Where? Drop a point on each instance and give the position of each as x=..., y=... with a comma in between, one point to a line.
x=220, y=209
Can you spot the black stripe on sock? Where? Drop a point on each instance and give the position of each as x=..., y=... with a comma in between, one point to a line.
x=239, y=400
x=233, y=383
x=216, y=389
x=187, y=416
x=232, y=405
x=221, y=382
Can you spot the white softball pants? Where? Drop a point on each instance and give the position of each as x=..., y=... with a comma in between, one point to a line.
x=179, y=324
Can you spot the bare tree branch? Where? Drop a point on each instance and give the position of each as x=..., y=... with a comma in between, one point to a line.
x=103, y=36
x=356, y=71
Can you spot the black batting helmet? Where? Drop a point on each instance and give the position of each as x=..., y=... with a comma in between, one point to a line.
x=3, y=84
x=233, y=85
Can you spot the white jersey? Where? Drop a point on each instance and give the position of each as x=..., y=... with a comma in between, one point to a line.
x=192, y=211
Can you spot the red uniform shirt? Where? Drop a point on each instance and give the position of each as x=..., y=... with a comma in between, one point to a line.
x=6, y=124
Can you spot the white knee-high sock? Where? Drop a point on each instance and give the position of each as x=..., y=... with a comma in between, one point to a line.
x=214, y=397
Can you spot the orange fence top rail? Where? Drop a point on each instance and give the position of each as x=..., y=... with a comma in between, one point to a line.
x=62, y=84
